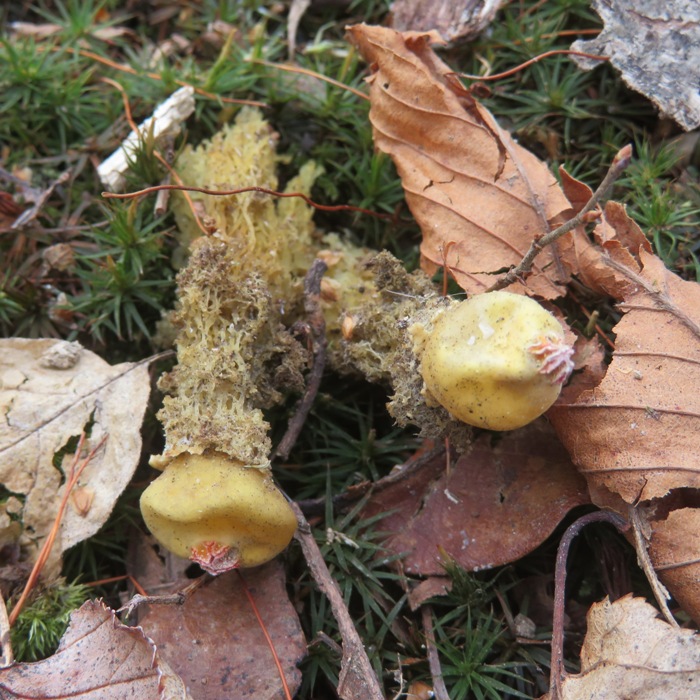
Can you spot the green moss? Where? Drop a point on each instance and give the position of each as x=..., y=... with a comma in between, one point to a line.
x=42, y=622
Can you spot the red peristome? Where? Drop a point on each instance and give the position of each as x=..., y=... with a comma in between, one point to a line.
x=214, y=557
x=555, y=358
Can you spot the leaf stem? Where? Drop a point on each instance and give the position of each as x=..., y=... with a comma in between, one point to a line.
x=439, y=688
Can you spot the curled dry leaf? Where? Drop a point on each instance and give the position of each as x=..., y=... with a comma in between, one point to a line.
x=98, y=659
x=629, y=652
x=636, y=433
x=496, y=504
x=656, y=48
x=479, y=197
x=49, y=391
x=674, y=551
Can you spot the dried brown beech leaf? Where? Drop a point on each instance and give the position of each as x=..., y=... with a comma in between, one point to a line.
x=496, y=504
x=479, y=197
x=629, y=652
x=619, y=240
x=453, y=19
x=656, y=47
x=674, y=551
x=215, y=643
x=636, y=433
x=97, y=659
x=49, y=391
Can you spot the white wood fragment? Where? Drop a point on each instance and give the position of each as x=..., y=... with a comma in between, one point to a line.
x=167, y=119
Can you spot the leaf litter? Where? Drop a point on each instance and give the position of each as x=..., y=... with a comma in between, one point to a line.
x=629, y=652
x=636, y=432
x=631, y=429
x=478, y=196
x=50, y=392
x=98, y=658
x=214, y=641
x=494, y=505
x=414, y=93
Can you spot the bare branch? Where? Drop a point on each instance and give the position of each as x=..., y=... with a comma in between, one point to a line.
x=357, y=680
x=620, y=162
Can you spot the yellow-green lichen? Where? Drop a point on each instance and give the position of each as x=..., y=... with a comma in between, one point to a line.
x=237, y=296
x=241, y=292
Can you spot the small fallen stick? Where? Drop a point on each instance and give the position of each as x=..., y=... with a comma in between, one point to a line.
x=317, y=326
x=357, y=680
x=166, y=120
x=177, y=598
x=620, y=162
x=439, y=688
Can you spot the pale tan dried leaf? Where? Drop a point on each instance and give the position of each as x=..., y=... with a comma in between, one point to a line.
x=636, y=433
x=674, y=551
x=49, y=391
x=98, y=659
x=479, y=197
x=629, y=652
x=656, y=47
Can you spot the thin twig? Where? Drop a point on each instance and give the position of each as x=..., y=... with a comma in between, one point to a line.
x=29, y=215
x=439, y=688
x=305, y=71
x=536, y=59
x=115, y=579
x=620, y=162
x=660, y=592
x=242, y=190
x=317, y=326
x=316, y=506
x=357, y=680
x=154, y=76
x=76, y=471
x=555, y=681
x=177, y=598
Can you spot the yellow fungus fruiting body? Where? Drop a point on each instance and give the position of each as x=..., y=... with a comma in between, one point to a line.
x=497, y=360
x=211, y=505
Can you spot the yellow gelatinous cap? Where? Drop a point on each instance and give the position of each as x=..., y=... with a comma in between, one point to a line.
x=218, y=512
x=496, y=360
